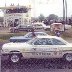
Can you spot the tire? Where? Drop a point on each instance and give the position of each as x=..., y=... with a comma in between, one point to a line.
x=68, y=57
x=14, y=58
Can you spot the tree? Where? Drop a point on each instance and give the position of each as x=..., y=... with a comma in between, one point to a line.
x=34, y=19
x=52, y=17
x=41, y=17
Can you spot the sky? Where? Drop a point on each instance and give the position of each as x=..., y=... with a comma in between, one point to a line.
x=45, y=7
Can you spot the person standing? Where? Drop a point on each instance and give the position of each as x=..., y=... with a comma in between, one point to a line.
x=57, y=33
x=33, y=34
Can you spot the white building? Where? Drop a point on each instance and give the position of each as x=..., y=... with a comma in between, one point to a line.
x=14, y=15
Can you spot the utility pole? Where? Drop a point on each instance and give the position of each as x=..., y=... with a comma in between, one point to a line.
x=65, y=11
x=5, y=3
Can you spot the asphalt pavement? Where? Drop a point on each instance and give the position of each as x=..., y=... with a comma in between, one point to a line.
x=37, y=66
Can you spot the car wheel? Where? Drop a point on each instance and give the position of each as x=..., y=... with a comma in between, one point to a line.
x=14, y=58
x=68, y=57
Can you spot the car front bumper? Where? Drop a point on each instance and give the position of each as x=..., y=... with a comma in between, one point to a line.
x=4, y=57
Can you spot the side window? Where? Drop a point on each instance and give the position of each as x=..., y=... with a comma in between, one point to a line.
x=37, y=42
x=23, y=26
x=41, y=34
x=43, y=41
x=49, y=42
x=28, y=35
x=20, y=26
x=57, y=42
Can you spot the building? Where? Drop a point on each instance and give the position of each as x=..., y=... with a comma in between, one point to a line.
x=14, y=15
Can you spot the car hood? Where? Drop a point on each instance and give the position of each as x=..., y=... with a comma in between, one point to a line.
x=15, y=45
x=17, y=37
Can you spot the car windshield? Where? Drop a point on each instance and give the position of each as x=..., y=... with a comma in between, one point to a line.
x=32, y=40
x=47, y=41
x=29, y=35
x=41, y=34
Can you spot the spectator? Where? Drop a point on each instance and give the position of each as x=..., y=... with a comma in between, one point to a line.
x=57, y=33
x=70, y=21
x=63, y=22
x=33, y=33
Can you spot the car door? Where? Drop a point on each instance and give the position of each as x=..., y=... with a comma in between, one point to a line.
x=42, y=48
x=60, y=46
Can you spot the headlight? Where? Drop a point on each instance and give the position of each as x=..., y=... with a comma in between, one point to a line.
x=5, y=51
x=1, y=51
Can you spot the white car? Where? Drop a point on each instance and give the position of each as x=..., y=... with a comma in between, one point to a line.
x=21, y=27
x=67, y=27
x=39, y=47
x=38, y=26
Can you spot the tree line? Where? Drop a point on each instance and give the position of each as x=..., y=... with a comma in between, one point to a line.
x=51, y=19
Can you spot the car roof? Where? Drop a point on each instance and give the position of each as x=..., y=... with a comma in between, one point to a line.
x=37, y=32
x=56, y=23
x=24, y=24
x=38, y=23
x=48, y=36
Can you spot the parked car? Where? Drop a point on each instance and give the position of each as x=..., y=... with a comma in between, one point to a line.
x=21, y=27
x=40, y=47
x=37, y=26
x=46, y=27
x=41, y=26
x=26, y=37
x=1, y=25
x=67, y=27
